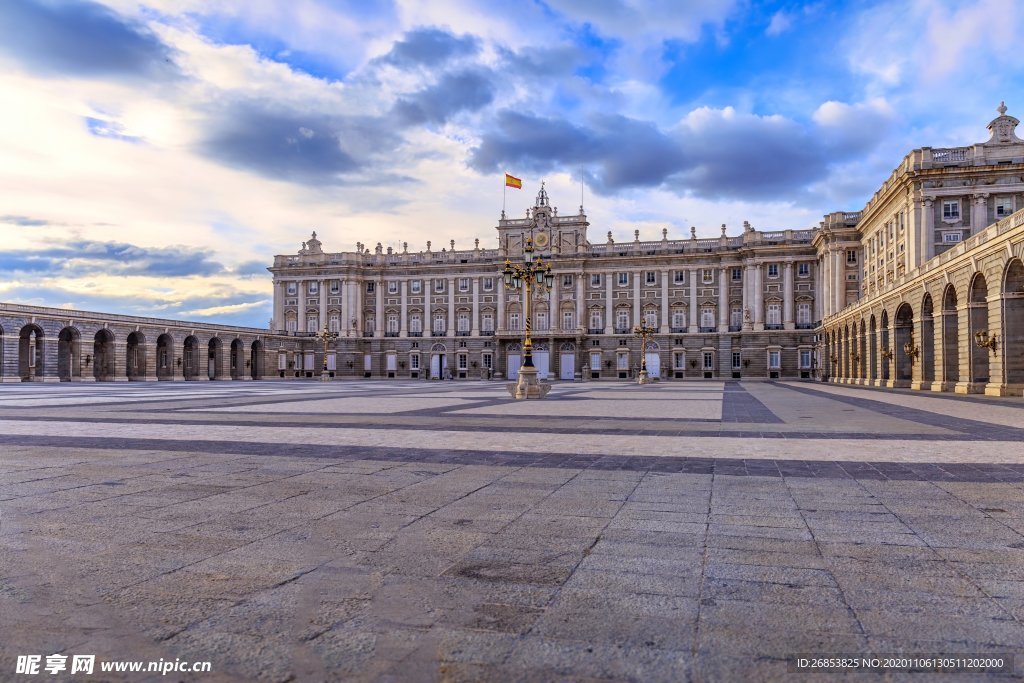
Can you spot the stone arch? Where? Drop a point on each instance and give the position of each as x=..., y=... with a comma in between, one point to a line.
x=31, y=359
x=214, y=353
x=977, y=317
x=904, y=342
x=256, y=362
x=844, y=357
x=927, y=339
x=135, y=358
x=1011, y=342
x=69, y=354
x=950, y=337
x=103, y=355
x=190, y=358
x=165, y=360
x=886, y=347
x=237, y=358
x=567, y=347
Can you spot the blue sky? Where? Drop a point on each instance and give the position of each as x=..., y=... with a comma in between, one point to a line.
x=156, y=154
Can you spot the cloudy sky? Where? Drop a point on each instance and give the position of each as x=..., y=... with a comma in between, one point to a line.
x=156, y=154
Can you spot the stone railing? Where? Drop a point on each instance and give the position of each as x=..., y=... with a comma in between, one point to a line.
x=951, y=154
x=72, y=314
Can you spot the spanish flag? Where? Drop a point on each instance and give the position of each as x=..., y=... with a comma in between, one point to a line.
x=512, y=181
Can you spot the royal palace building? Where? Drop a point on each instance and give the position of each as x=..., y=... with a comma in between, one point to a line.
x=922, y=288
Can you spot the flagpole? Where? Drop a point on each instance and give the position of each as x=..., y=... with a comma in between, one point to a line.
x=504, y=191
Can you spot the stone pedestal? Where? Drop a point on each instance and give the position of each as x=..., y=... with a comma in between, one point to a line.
x=643, y=378
x=528, y=386
x=325, y=377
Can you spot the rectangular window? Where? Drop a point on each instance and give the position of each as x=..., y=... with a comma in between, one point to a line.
x=312, y=324
x=805, y=358
x=621, y=320
x=568, y=320
x=737, y=274
x=595, y=279
x=679, y=360
x=650, y=277
x=567, y=280
x=736, y=358
x=542, y=320
x=487, y=360
x=623, y=361
x=678, y=319
x=679, y=277
x=651, y=318
x=773, y=270
x=414, y=361
x=439, y=323
x=709, y=360
x=735, y=317
x=513, y=321
x=463, y=284
x=334, y=322
x=312, y=287
x=463, y=322
x=416, y=324
x=1004, y=206
x=438, y=285
x=773, y=360
x=623, y=278
x=282, y=361
x=292, y=289
x=851, y=256
x=415, y=286
x=951, y=210
x=803, y=314
x=948, y=237
x=463, y=361
x=370, y=287
x=707, y=317
x=488, y=284
x=595, y=320
x=335, y=287
x=392, y=287
x=595, y=361
x=774, y=314
x=488, y=322
x=851, y=277
x=392, y=323
x=803, y=269
x=708, y=276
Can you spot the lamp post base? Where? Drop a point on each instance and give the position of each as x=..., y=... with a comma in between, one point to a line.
x=643, y=378
x=528, y=386
x=325, y=377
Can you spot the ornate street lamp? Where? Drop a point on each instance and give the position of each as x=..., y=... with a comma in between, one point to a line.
x=984, y=341
x=911, y=350
x=643, y=330
x=527, y=276
x=325, y=336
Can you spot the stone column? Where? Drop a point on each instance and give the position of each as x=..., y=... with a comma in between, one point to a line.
x=979, y=213
x=692, y=274
x=148, y=351
x=379, y=309
x=928, y=232
x=500, y=323
x=451, y=311
x=664, y=302
x=553, y=322
x=748, y=297
x=403, y=320
x=838, y=280
x=723, y=301
x=609, y=303
x=788, y=312
x=758, y=298
x=818, y=315
x=358, y=292
x=637, y=301
x=580, y=294
x=475, y=323
x=280, y=291
x=321, y=288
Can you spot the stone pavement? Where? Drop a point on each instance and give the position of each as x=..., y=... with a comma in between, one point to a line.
x=413, y=531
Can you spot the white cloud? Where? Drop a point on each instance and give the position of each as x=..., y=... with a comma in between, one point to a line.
x=780, y=23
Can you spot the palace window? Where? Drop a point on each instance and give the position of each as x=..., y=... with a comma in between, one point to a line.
x=948, y=237
x=805, y=358
x=678, y=319
x=462, y=361
x=595, y=279
x=803, y=314
x=334, y=322
x=709, y=360
x=440, y=324
x=392, y=323
x=542, y=320
x=414, y=361
x=951, y=210
x=488, y=322
x=312, y=323
x=487, y=360
x=292, y=289
x=1004, y=206
x=774, y=315
x=650, y=277
x=596, y=321
x=392, y=287
x=621, y=319
x=568, y=320
x=679, y=277
x=513, y=321
x=567, y=280
x=438, y=286
x=335, y=287
x=708, y=276
x=463, y=322
x=737, y=357
x=488, y=284
x=370, y=287
x=463, y=284
x=735, y=317
x=803, y=269
x=312, y=287
x=416, y=323
x=623, y=278
x=370, y=324
x=774, y=360
x=773, y=270
x=737, y=274
x=415, y=286
x=679, y=360
x=851, y=256
x=707, y=317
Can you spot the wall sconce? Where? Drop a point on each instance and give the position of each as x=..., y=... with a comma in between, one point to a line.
x=693, y=362
x=88, y=360
x=350, y=365
x=984, y=341
x=248, y=363
x=834, y=359
x=911, y=350
x=887, y=354
x=746, y=362
x=401, y=364
x=608, y=364
x=855, y=357
x=178, y=361
x=473, y=364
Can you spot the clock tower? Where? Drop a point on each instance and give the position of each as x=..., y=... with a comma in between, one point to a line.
x=552, y=235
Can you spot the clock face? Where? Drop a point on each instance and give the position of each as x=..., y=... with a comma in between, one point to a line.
x=541, y=239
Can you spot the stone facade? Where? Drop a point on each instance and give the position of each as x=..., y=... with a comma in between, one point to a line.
x=739, y=306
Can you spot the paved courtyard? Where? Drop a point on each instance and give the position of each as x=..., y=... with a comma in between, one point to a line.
x=414, y=531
